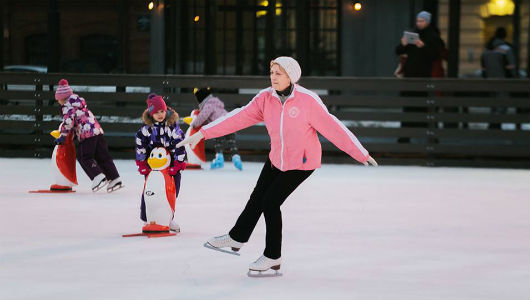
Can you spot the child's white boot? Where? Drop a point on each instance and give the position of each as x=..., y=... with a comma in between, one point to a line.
x=173, y=226
x=114, y=185
x=99, y=182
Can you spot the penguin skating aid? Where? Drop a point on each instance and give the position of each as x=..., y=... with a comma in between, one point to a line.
x=63, y=166
x=197, y=155
x=159, y=196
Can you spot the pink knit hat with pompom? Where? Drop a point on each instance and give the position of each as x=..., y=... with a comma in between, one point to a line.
x=63, y=90
x=155, y=103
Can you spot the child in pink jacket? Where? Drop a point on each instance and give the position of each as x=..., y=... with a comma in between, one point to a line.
x=292, y=115
x=212, y=108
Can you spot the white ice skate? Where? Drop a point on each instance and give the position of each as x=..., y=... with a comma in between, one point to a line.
x=224, y=241
x=263, y=264
x=114, y=185
x=99, y=182
x=173, y=226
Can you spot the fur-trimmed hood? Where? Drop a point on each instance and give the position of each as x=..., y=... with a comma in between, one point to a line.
x=172, y=117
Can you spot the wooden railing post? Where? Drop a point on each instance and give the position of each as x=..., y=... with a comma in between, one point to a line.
x=432, y=123
x=166, y=90
x=119, y=91
x=38, y=132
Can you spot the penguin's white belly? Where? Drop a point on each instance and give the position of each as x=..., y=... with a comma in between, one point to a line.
x=156, y=203
x=59, y=177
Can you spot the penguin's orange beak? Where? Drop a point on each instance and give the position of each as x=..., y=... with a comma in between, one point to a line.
x=156, y=163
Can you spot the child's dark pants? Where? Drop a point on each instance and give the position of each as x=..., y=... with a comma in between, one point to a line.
x=93, y=156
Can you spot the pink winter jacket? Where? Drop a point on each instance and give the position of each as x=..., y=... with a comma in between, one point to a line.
x=292, y=128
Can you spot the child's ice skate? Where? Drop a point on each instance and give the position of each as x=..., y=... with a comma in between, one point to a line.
x=236, y=159
x=218, y=162
x=173, y=226
x=114, y=185
x=99, y=182
x=224, y=241
x=263, y=264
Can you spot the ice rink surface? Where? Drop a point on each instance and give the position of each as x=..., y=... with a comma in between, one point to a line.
x=350, y=232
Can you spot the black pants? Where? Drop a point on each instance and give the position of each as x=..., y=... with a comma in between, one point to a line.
x=94, y=157
x=272, y=188
x=226, y=142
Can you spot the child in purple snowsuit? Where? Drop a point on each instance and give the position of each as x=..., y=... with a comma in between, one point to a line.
x=93, y=152
x=210, y=109
x=160, y=129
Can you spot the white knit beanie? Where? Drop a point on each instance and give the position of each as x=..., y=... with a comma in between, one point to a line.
x=291, y=66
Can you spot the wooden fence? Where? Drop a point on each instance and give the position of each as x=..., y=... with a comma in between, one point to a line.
x=442, y=122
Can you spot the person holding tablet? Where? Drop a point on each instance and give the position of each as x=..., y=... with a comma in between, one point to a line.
x=417, y=51
x=421, y=47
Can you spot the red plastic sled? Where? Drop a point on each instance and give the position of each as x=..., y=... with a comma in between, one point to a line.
x=150, y=235
x=53, y=191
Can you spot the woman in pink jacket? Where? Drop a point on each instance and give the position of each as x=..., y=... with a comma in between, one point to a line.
x=292, y=115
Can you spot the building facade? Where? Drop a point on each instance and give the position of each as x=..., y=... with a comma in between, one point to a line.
x=240, y=37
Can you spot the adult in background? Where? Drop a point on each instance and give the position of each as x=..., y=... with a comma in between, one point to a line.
x=421, y=55
x=419, y=61
x=498, y=61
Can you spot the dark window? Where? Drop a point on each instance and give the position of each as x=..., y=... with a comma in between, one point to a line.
x=324, y=38
x=243, y=33
x=37, y=49
x=98, y=54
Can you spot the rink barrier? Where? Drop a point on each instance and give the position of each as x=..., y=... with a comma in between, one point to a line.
x=457, y=118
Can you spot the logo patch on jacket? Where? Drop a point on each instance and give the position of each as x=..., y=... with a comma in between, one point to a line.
x=294, y=112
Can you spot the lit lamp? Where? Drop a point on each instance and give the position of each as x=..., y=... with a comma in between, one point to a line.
x=151, y=5
x=357, y=6
x=497, y=8
x=265, y=3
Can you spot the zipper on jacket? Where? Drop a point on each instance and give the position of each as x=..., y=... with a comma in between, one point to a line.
x=281, y=135
x=281, y=123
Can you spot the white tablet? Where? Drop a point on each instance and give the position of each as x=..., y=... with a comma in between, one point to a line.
x=411, y=37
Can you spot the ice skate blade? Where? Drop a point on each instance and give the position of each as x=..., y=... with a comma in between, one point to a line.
x=261, y=274
x=220, y=249
x=100, y=186
x=115, y=188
